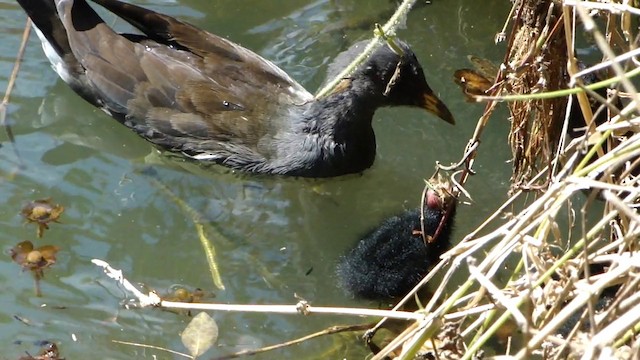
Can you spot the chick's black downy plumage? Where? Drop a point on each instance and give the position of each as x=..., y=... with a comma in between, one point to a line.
x=604, y=300
x=388, y=262
x=194, y=93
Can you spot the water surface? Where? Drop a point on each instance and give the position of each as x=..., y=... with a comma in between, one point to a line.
x=280, y=236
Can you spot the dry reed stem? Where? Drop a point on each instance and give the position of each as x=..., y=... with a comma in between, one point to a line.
x=534, y=265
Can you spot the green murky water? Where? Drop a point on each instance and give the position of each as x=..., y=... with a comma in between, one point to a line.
x=280, y=237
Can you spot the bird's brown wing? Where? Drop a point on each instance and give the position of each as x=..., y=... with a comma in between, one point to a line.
x=179, y=86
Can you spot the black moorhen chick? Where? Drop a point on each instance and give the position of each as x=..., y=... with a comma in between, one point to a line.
x=192, y=92
x=388, y=262
x=577, y=126
x=605, y=299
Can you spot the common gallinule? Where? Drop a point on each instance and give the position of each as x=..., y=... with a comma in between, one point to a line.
x=604, y=300
x=192, y=92
x=577, y=126
x=389, y=261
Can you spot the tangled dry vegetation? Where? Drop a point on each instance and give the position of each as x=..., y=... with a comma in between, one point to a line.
x=559, y=275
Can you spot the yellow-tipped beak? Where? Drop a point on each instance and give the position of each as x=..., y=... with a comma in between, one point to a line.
x=432, y=104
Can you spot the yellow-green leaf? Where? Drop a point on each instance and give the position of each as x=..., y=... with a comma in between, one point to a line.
x=200, y=334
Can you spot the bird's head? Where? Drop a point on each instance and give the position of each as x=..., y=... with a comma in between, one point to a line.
x=400, y=76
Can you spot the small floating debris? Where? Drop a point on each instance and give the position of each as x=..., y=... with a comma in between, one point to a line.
x=34, y=259
x=42, y=212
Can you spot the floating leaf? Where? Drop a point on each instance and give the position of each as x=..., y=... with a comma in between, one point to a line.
x=179, y=293
x=200, y=334
x=183, y=294
x=42, y=212
x=472, y=83
x=476, y=81
x=34, y=259
x=20, y=251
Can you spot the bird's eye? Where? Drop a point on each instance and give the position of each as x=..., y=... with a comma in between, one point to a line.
x=231, y=106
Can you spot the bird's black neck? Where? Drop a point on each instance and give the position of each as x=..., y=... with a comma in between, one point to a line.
x=340, y=126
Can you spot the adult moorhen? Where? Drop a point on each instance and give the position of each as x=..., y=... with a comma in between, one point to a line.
x=389, y=261
x=192, y=92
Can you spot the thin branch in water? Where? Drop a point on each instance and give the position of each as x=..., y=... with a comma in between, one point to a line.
x=10, y=85
x=301, y=308
x=196, y=218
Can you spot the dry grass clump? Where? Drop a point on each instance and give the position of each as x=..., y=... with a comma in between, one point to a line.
x=559, y=276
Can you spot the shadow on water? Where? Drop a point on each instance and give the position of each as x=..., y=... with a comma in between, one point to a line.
x=281, y=236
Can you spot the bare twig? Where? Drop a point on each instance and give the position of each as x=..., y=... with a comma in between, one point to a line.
x=10, y=85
